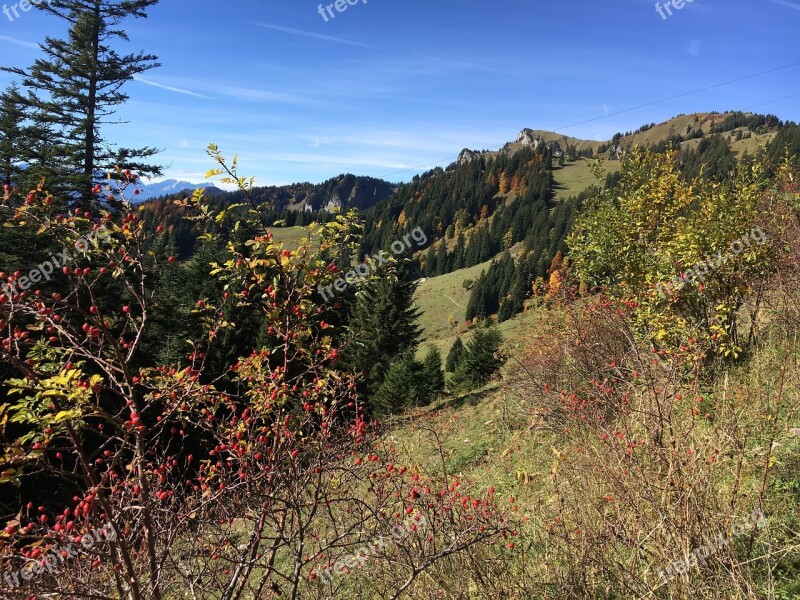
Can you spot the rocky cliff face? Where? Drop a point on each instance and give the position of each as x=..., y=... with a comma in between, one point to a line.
x=467, y=156
x=527, y=137
x=333, y=203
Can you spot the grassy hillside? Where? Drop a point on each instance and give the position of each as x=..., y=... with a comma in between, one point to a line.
x=494, y=439
x=443, y=301
x=575, y=177
x=290, y=236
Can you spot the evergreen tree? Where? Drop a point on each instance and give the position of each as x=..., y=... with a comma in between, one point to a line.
x=78, y=86
x=402, y=387
x=786, y=142
x=477, y=305
x=458, y=254
x=432, y=375
x=383, y=326
x=431, y=263
x=454, y=356
x=713, y=156
x=441, y=259
x=12, y=144
x=508, y=308
x=481, y=359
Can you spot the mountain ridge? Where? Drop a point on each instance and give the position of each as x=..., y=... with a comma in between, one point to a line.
x=166, y=187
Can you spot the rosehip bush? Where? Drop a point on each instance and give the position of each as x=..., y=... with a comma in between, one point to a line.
x=236, y=486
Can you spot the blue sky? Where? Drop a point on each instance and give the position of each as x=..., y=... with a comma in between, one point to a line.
x=391, y=85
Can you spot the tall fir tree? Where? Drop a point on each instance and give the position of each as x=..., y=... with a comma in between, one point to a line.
x=458, y=253
x=384, y=324
x=431, y=263
x=402, y=387
x=441, y=259
x=481, y=360
x=12, y=128
x=432, y=375
x=77, y=86
x=454, y=356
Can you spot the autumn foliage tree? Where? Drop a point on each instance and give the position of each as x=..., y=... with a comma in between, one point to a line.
x=687, y=255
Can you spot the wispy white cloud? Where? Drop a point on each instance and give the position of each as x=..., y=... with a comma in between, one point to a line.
x=169, y=88
x=462, y=64
x=220, y=88
x=338, y=161
x=311, y=34
x=13, y=40
x=694, y=48
x=787, y=4
x=256, y=95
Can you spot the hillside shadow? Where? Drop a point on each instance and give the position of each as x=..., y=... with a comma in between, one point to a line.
x=469, y=399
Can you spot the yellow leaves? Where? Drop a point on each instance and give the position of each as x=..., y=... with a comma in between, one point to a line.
x=556, y=281
x=197, y=196
x=66, y=415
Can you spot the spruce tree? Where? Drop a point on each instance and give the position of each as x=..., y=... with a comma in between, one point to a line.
x=402, y=387
x=432, y=375
x=383, y=325
x=12, y=145
x=476, y=303
x=458, y=253
x=454, y=356
x=507, y=310
x=441, y=260
x=430, y=263
x=77, y=86
x=482, y=359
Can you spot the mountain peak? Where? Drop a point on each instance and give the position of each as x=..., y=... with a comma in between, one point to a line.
x=169, y=186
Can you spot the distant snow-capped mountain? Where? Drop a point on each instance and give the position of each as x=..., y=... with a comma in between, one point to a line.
x=168, y=186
